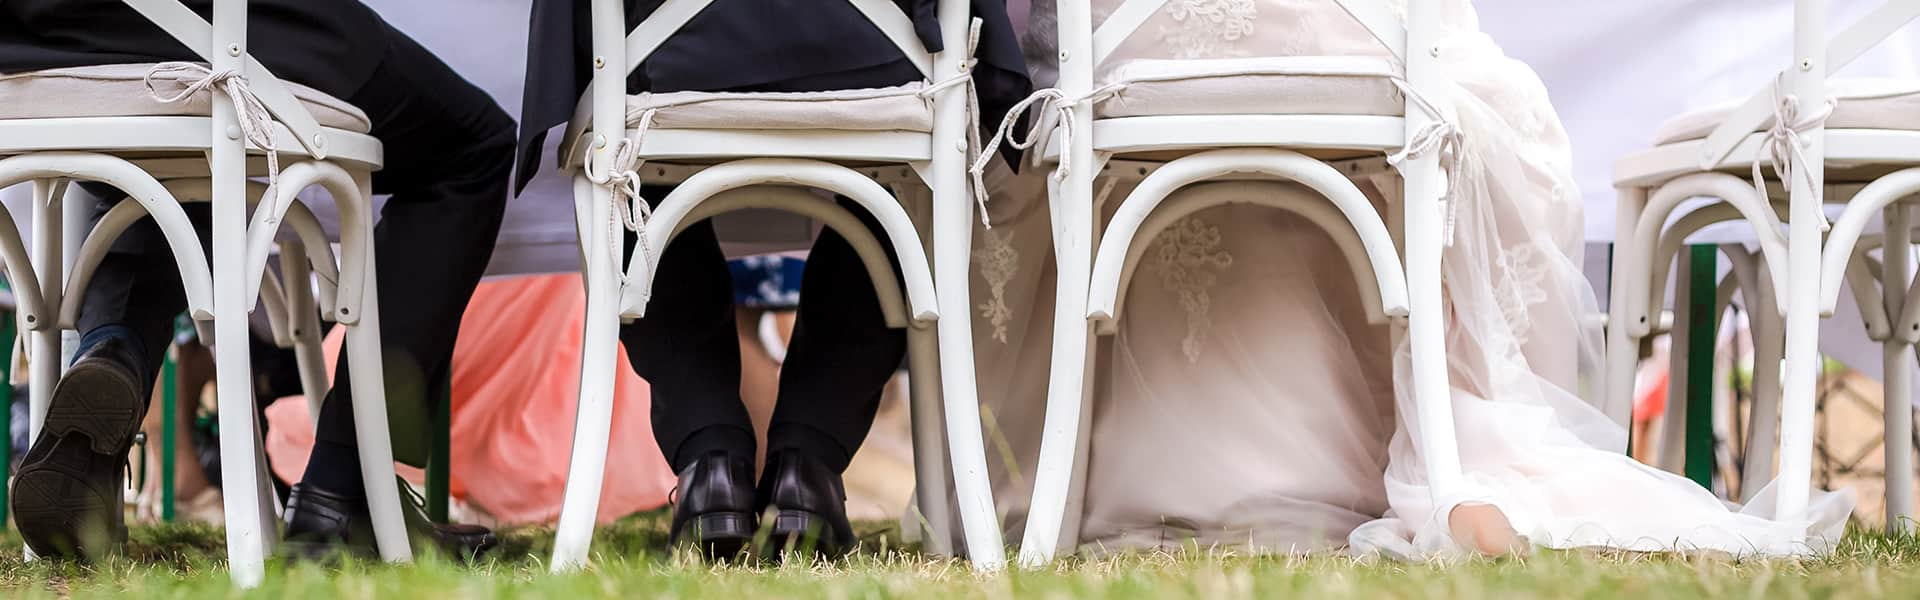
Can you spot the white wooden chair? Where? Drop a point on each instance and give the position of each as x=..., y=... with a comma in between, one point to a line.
x=1803, y=128
x=98, y=124
x=1299, y=144
x=729, y=151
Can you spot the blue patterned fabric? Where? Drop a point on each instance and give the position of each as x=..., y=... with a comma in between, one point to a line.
x=768, y=282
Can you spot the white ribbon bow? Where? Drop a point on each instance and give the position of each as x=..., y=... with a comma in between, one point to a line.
x=256, y=123
x=1441, y=138
x=1048, y=99
x=623, y=177
x=1785, y=148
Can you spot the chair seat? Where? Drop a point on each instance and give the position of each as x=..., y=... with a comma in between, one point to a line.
x=121, y=91
x=1865, y=103
x=897, y=108
x=1284, y=85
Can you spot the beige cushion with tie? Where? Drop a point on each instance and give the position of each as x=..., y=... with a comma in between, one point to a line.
x=1281, y=85
x=121, y=91
x=1862, y=104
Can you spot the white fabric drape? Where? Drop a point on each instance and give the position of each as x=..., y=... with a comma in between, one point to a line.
x=1246, y=401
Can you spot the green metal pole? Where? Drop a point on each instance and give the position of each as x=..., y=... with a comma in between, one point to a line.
x=169, y=414
x=6, y=412
x=439, y=489
x=1703, y=289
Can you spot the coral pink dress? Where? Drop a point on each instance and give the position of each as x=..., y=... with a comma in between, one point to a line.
x=514, y=378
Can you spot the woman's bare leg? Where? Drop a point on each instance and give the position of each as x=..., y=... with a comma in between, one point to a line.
x=759, y=378
x=1484, y=529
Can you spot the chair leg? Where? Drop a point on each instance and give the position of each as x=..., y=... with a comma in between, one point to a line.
x=593, y=418
x=1763, y=417
x=43, y=345
x=929, y=442
x=1623, y=349
x=371, y=430
x=44, y=349
x=1897, y=357
x=1426, y=330
x=1053, y=474
x=959, y=392
x=304, y=317
x=1672, y=456
x=248, y=518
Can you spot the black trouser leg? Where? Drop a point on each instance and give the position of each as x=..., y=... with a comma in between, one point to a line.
x=841, y=356
x=136, y=291
x=449, y=149
x=686, y=349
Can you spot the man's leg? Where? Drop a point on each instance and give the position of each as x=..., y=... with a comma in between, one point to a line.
x=66, y=497
x=449, y=150
x=838, y=363
x=841, y=356
x=685, y=349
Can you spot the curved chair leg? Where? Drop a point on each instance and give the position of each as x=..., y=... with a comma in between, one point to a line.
x=1672, y=455
x=1066, y=386
x=1426, y=329
x=930, y=479
x=44, y=349
x=1897, y=365
x=1762, y=322
x=304, y=317
x=371, y=429
x=1623, y=348
x=593, y=418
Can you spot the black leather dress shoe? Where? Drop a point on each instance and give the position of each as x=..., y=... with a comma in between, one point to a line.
x=809, y=504
x=713, y=505
x=66, y=497
x=321, y=524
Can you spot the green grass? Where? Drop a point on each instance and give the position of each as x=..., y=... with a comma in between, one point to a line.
x=185, y=562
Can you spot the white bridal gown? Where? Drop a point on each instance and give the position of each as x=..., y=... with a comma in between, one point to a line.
x=1247, y=402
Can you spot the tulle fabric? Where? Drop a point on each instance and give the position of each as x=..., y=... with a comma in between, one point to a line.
x=1245, y=399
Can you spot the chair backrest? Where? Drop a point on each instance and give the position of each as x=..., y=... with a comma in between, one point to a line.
x=223, y=44
x=614, y=46
x=1079, y=38
x=1814, y=56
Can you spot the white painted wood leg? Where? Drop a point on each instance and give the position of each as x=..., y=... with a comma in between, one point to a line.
x=366, y=360
x=593, y=418
x=1898, y=359
x=930, y=487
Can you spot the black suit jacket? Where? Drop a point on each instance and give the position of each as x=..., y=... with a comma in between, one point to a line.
x=738, y=45
x=329, y=45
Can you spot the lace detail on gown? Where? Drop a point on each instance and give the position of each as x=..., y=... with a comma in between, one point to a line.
x=1523, y=274
x=997, y=260
x=1207, y=28
x=1188, y=258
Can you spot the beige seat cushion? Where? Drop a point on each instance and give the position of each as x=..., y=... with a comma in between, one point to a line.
x=1863, y=104
x=898, y=108
x=121, y=91
x=1285, y=85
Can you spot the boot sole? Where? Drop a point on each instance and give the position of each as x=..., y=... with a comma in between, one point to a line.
x=60, y=510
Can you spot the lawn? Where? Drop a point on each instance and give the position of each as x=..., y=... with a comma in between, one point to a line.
x=184, y=561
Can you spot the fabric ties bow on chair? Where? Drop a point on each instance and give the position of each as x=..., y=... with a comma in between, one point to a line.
x=1441, y=138
x=623, y=177
x=1048, y=99
x=1785, y=148
x=256, y=123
